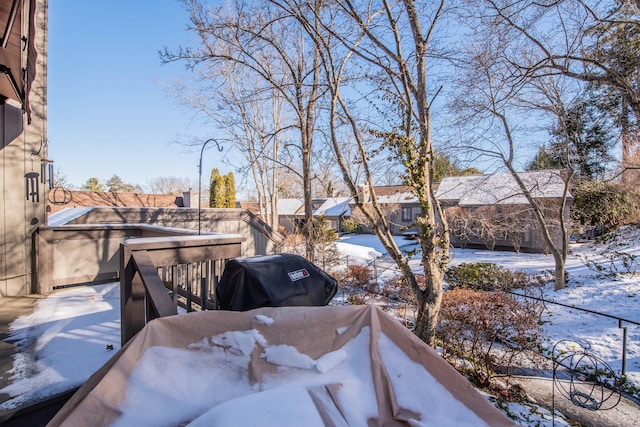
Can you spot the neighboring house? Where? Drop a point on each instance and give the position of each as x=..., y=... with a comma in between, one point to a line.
x=26, y=171
x=398, y=203
x=483, y=210
x=290, y=214
x=60, y=199
x=332, y=209
x=492, y=210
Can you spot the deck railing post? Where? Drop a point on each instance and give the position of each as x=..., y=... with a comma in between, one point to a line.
x=204, y=295
x=145, y=262
x=132, y=304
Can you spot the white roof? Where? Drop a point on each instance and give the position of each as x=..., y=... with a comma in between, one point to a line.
x=289, y=206
x=65, y=215
x=334, y=206
x=398, y=197
x=500, y=188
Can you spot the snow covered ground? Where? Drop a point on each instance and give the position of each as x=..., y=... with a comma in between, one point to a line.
x=602, y=278
x=67, y=338
x=73, y=332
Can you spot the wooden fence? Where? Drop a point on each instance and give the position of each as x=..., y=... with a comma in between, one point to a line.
x=161, y=273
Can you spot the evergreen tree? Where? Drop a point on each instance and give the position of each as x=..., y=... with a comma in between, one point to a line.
x=543, y=159
x=581, y=141
x=220, y=200
x=230, y=190
x=93, y=184
x=616, y=42
x=444, y=165
x=218, y=197
x=214, y=187
x=115, y=184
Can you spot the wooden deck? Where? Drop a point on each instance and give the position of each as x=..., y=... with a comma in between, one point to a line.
x=156, y=275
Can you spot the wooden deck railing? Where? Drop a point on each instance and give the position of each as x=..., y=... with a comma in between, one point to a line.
x=158, y=274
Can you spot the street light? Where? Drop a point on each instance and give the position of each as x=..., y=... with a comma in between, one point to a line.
x=200, y=176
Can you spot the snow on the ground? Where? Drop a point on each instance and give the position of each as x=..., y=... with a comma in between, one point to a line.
x=602, y=278
x=63, y=342
x=69, y=331
x=361, y=249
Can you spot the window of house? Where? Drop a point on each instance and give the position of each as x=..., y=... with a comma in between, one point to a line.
x=406, y=214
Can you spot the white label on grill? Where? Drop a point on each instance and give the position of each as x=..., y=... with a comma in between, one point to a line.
x=298, y=274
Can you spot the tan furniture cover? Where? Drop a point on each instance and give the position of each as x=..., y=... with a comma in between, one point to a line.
x=314, y=331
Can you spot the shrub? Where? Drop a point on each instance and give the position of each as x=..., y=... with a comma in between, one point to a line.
x=490, y=329
x=488, y=277
x=357, y=276
x=351, y=226
x=356, y=283
x=395, y=288
x=357, y=299
x=605, y=204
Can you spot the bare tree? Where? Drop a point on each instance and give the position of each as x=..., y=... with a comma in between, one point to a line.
x=591, y=41
x=168, y=185
x=499, y=97
x=249, y=114
x=391, y=40
x=258, y=39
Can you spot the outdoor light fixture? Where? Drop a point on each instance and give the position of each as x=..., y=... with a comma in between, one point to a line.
x=200, y=177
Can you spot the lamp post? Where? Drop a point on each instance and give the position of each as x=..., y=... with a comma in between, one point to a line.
x=200, y=177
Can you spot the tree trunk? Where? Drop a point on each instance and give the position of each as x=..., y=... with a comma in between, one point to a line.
x=428, y=309
x=560, y=281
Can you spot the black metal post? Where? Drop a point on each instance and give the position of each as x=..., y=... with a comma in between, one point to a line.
x=624, y=347
x=200, y=177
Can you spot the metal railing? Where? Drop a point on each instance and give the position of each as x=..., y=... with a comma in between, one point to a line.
x=157, y=274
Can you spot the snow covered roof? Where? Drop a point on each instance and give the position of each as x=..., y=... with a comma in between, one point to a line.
x=335, y=206
x=499, y=188
x=398, y=197
x=289, y=206
x=394, y=194
x=66, y=215
x=331, y=206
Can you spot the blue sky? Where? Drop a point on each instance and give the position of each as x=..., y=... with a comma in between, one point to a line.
x=108, y=110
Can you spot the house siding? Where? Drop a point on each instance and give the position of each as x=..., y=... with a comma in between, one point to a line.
x=21, y=214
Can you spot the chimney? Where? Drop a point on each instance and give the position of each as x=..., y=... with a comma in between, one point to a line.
x=186, y=198
x=364, y=195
